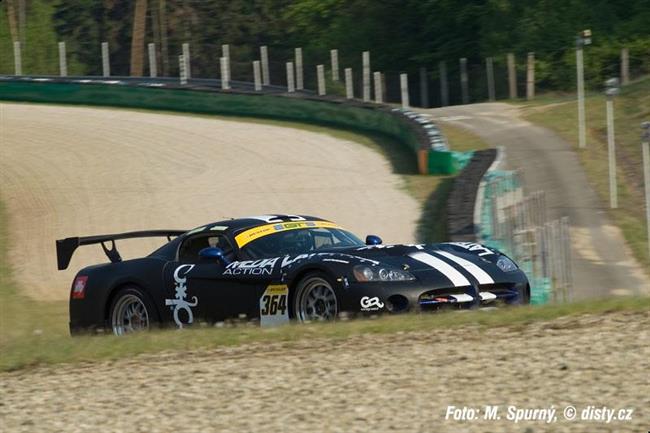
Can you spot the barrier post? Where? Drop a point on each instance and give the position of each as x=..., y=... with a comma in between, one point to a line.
x=512, y=76
x=225, y=81
x=490, y=78
x=153, y=68
x=349, y=89
x=464, y=85
x=181, y=70
x=530, y=77
x=320, y=72
x=625, y=66
x=225, y=52
x=257, y=75
x=106, y=64
x=444, y=87
x=334, y=57
x=264, y=56
x=645, y=138
x=378, y=90
x=299, y=71
x=404, y=87
x=424, y=88
x=291, y=86
x=186, y=59
x=365, y=57
x=18, y=59
x=63, y=64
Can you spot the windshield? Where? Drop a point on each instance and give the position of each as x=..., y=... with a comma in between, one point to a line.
x=301, y=241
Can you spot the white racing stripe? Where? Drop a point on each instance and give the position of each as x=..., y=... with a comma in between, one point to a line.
x=445, y=268
x=487, y=296
x=462, y=297
x=481, y=276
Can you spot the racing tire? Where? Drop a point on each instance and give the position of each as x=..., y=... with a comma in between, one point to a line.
x=315, y=299
x=131, y=311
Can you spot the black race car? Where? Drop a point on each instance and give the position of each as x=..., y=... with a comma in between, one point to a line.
x=274, y=268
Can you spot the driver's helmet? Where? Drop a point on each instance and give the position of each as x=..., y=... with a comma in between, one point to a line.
x=296, y=242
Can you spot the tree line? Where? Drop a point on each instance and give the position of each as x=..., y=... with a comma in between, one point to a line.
x=402, y=35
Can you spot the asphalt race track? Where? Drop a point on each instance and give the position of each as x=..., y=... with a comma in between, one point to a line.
x=73, y=171
x=602, y=263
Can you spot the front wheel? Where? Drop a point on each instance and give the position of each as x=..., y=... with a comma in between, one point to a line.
x=315, y=299
x=131, y=312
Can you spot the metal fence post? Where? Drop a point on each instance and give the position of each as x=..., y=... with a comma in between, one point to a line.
x=225, y=52
x=299, y=72
x=320, y=73
x=182, y=72
x=424, y=88
x=264, y=57
x=349, y=87
x=444, y=88
x=334, y=57
x=530, y=77
x=625, y=66
x=365, y=58
x=464, y=85
x=490, y=78
x=225, y=82
x=186, y=59
x=512, y=76
x=63, y=64
x=404, y=87
x=153, y=69
x=291, y=86
x=257, y=75
x=18, y=59
x=106, y=64
x=378, y=89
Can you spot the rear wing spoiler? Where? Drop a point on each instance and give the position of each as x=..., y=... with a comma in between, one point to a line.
x=65, y=248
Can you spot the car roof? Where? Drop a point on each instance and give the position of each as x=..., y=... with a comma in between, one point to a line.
x=235, y=225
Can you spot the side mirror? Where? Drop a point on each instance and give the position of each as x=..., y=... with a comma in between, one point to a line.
x=373, y=240
x=213, y=253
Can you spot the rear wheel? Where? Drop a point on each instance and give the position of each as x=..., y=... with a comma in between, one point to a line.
x=315, y=299
x=131, y=311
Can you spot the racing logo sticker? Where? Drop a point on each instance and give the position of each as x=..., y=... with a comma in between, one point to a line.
x=251, y=267
x=180, y=301
x=273, y=305
x=371, y=304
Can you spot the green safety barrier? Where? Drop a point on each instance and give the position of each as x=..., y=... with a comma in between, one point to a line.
x=336, y=113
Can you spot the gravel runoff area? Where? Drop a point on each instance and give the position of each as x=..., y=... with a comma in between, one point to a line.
x=75, y=171
x=401, y=382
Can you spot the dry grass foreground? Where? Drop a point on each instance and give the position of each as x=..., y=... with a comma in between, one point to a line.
x=400, y=381
x=70, y=171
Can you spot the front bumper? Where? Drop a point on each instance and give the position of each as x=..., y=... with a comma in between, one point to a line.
x=418, y=297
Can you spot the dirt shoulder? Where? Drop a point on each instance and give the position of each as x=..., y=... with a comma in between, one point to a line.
x=390, y=382
x=71, y=171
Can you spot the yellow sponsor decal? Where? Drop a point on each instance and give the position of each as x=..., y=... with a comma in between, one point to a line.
x=251, y=234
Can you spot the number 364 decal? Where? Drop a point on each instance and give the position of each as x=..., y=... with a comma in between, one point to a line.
x=273, y=305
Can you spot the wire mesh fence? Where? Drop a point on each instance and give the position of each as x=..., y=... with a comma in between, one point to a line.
x=517, y=224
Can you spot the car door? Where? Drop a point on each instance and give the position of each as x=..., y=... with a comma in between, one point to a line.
x=209, y=290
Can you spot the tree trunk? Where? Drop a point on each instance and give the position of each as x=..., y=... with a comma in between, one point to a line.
x=162, y=14
x=137, y=38
x=11, y=16
x=21, y=21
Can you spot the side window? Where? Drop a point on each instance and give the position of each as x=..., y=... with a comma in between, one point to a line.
x=189, y=250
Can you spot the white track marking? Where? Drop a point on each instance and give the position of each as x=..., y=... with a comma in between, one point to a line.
x=478, y=273
x=445, y=268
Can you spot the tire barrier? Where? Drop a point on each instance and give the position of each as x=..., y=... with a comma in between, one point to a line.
x=205, y=97
x=462, y=197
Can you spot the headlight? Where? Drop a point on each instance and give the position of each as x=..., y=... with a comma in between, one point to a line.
x=506, y=265
x=378, y=273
